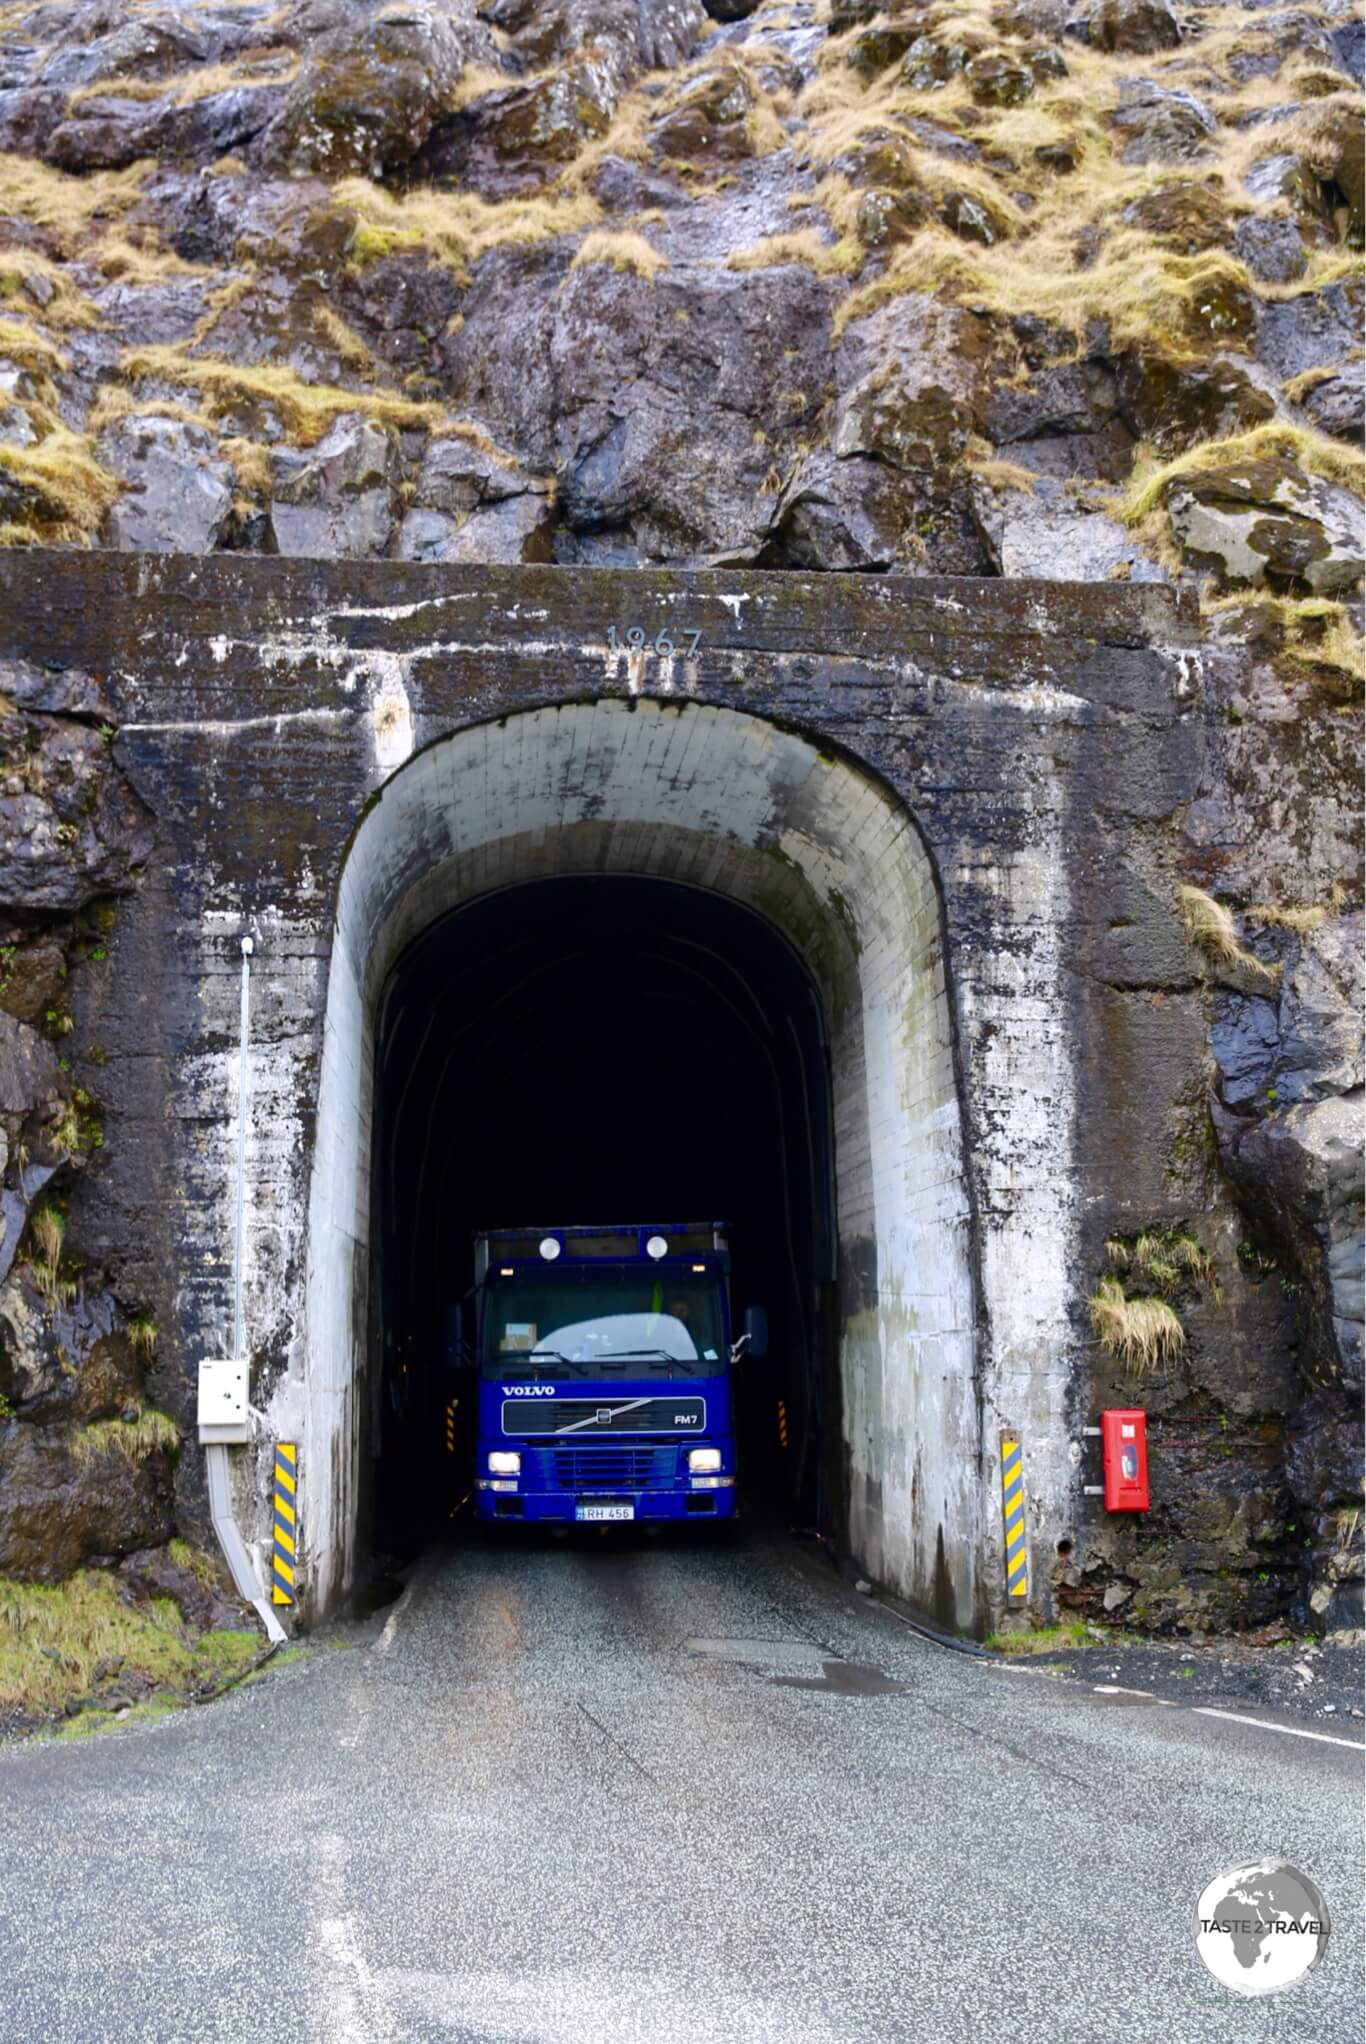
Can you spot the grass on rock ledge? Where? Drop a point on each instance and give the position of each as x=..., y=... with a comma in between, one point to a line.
x=1058, y=1639
x=59, y=1643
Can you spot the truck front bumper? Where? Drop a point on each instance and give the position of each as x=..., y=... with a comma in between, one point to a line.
x=561, y=1507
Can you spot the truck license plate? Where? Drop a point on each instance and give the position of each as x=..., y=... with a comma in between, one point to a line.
x=605, y=1509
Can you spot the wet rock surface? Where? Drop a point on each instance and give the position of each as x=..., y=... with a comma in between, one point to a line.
x=318, y=282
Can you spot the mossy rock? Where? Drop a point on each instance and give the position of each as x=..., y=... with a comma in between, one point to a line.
x=879, y=159
x=972, y=218
x=1132, y=27
x=1265, y=520
x=875, y=50
x=928, y=64
x=884, y=218
x=552, y=119
x=711, y=117
x=926, y=430
x=1220, y=310
x=1174, y=404
x=368, y=98
x=996, y=79
x=1188, y=216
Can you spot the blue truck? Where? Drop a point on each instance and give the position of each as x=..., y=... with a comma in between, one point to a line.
x=604, y=1357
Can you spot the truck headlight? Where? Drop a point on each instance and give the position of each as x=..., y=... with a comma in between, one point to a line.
x=702, y=1460
x=505, y=1462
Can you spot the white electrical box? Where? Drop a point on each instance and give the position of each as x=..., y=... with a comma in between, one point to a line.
x=223, y=1414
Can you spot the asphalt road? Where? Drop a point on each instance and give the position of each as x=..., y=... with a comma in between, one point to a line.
x=603, y=1793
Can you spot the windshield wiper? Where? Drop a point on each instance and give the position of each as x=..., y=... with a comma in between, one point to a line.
x=609, y=1355
x=553, y=1355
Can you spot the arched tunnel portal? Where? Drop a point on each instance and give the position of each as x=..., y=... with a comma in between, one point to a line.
x=639, y=959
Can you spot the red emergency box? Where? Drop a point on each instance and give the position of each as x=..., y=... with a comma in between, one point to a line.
x=1124, y=1459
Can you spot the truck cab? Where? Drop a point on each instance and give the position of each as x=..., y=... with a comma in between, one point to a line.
x=604, y=1357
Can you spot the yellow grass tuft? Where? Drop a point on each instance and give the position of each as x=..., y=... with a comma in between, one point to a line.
x=22, y=343
x=1211, y=928
x=125, y=260
x=629, y=251
x=68, y=205
x=806, y=246
x=1300, y=916
x=981, y=460
x=151, y=1433
x=113, y=403
x=1141, y=1332
x=350, y=349
x=1148, y=296
x=1165, y=1259
x=307, y=409
x=1312, y=450
x=250, y=465
x=66, y=309
x=456, y=227
x=72, y=492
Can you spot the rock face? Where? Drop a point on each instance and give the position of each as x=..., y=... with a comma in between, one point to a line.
x=58, y=1510
x=698, y=283
x=73, y=837
x=366, y=99
x=178, y=494
x=1265, y=520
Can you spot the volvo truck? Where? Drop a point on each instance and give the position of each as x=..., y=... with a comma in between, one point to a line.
x=604, y=1359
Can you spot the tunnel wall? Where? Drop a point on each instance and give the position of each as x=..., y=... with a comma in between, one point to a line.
x=1030, y=746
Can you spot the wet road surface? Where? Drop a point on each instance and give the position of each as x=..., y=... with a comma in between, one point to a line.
x=607, y=1791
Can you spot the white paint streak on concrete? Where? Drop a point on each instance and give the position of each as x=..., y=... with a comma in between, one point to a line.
x=391, y=713
x=221, y=729
x=397, y=613
x=1024, y=1081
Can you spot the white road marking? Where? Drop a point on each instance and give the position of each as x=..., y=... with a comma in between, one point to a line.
x=1203, y=1710
x=386, y=1638
x=340, y=1974
x=1235, y=1717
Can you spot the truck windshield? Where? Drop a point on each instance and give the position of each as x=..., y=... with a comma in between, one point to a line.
x=604, y=1324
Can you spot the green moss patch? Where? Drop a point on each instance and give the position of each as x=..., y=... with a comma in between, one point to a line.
x=83, y=1640
x=1057, y=1639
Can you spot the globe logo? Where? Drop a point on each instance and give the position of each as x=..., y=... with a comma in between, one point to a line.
x=1260, y=1929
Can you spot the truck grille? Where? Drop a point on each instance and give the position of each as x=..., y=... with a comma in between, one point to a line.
x=591, y=1468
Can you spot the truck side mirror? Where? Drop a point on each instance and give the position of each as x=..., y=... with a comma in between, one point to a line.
x=756, y=1329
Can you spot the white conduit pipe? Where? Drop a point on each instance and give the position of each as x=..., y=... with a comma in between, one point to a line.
x=220, y=1493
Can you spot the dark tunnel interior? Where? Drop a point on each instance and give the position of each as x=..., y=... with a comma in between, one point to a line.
x=599, y=1050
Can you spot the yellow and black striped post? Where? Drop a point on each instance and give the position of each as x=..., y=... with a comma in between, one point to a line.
x=782, y=1424
x=286, y=1543
x=1012, y=1504
x=450, y=1425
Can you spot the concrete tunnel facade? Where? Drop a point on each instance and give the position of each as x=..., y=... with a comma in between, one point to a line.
x=936, y=793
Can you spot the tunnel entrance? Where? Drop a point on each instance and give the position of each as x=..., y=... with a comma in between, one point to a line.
x=597, y=1050
x=594, y=922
